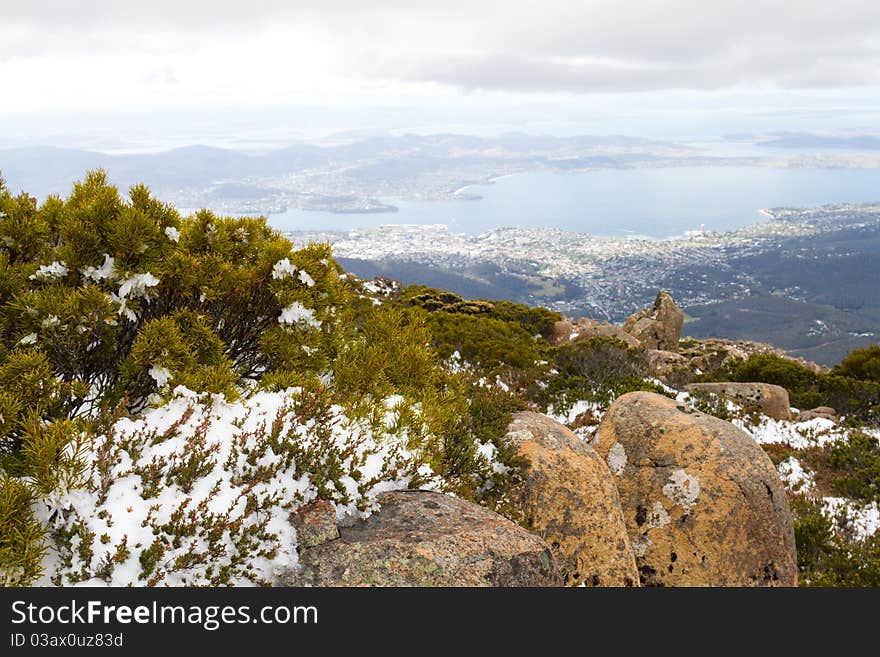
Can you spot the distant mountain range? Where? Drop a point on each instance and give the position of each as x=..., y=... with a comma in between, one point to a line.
x=339, y=174
x=353, y=173
x=808, y=140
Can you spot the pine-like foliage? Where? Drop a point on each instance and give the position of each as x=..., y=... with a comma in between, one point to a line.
x=110, y=305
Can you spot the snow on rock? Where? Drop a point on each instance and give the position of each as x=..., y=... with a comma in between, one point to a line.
x=578, y=408
x=296, y=313
x=197, y=487
x=569, y=418
x=47, y=272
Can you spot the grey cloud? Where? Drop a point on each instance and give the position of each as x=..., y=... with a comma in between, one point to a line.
x=520, y=45
x=534, y=74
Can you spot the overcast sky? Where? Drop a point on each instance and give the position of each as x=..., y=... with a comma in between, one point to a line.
x=601, y=56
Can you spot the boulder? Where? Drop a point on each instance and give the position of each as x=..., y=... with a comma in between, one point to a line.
x=703, y=504
x=566, y=332
x=315, y=523
x=662, y=364
x=825, y=412
x=769, y=399
x=712, y=352
x=570, y=499
x=657, y=327
x=562, y=331
x=422, y=538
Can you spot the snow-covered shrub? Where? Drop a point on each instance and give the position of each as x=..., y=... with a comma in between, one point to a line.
x=109, y=307
x=198, y=492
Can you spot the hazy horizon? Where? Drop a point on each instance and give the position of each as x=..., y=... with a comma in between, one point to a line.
x=116, y=76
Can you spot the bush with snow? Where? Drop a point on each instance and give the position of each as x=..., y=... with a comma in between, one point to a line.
x=108, y=306
x=198, y=492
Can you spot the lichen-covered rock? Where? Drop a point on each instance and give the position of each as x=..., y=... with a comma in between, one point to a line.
x=315, y=523
x=422, y=538
x=570, y=499
x=769, y=399
x=657, y=327
x=708, y=353
x=703, y=504
x=566, y=332
x=824, y=412
x=662, y=364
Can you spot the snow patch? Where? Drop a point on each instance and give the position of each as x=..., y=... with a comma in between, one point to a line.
x=296, y=313
x=137, y=286
x=283, y=269
x=161, y=375
x=122, y=503
x=862, y=520
x=46, y=272
x=800, y=435
x=578, y=408
x=106, y=270
x=794, y=476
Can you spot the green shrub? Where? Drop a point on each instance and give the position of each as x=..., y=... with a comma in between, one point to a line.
x=22, y=542
x=769, y=368
x=857, y=462
x=106, y=299
x=537, y=321
x=484, y=341
x=709, y=403
x=861, y=364
x=828, y=558
x=597, y=369
x=856, y=397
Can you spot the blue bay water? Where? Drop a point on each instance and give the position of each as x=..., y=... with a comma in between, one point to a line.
x=653, y=202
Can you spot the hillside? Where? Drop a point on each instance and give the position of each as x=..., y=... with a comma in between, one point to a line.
x=802, y=280
x=190, y=400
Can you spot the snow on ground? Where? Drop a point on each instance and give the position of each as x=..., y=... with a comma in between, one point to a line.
x=800, y=435
x=862, y=519
x=794, y=476
x=580, y=407
x=210, y=483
